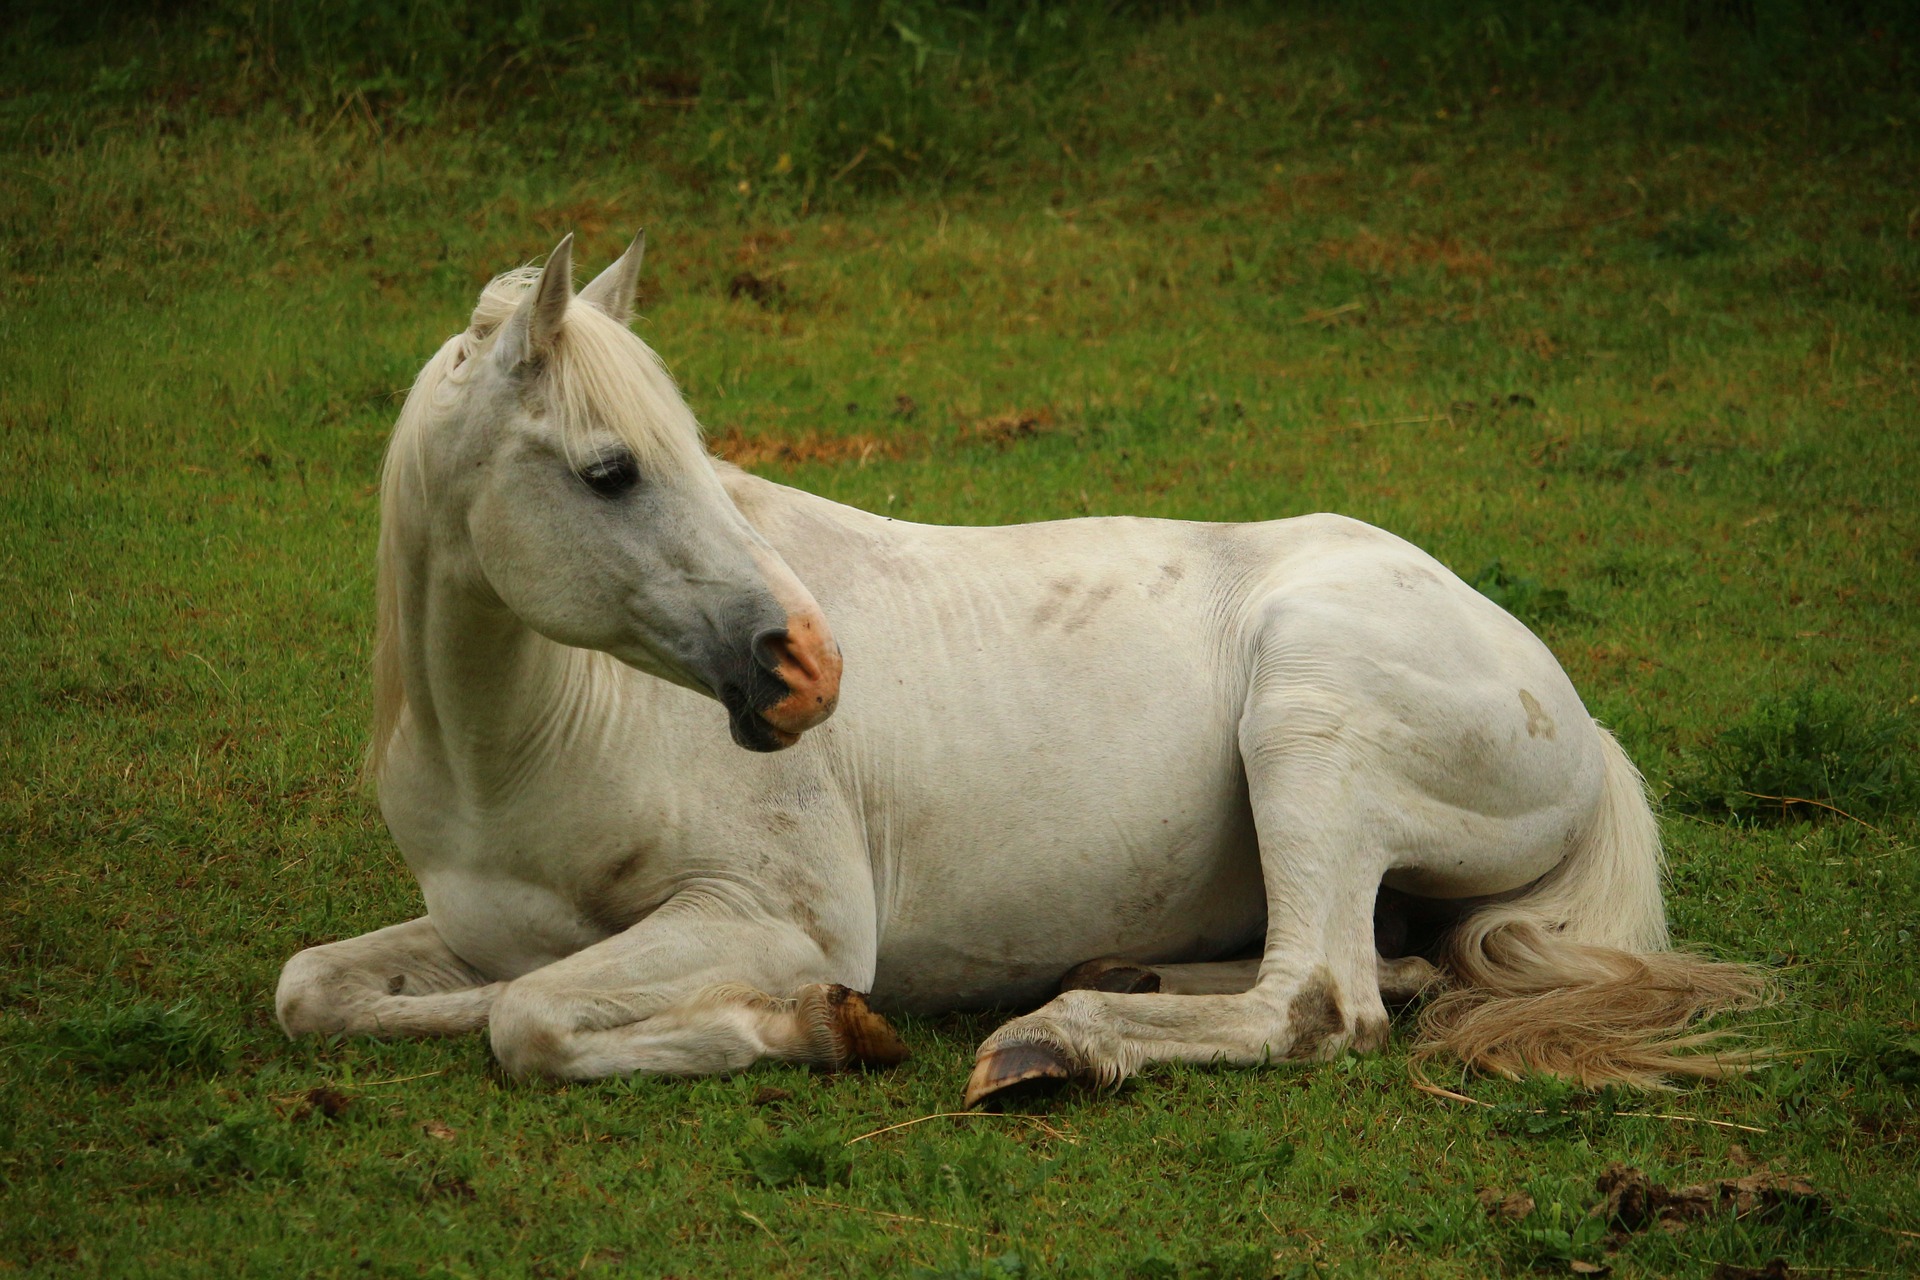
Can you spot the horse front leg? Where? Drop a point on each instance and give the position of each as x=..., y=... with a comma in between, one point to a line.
x=692, y=990
x=396, y=982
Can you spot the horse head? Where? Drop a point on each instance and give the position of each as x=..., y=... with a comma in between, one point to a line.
x=567, y=483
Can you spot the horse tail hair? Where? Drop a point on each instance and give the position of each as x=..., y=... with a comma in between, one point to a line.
x=1573, y=977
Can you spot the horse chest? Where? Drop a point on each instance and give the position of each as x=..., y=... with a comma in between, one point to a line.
x=513, y=892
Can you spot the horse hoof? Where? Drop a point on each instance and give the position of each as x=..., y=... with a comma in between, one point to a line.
x=1014, y=1071
x=866, y=1038
x=1122, y=976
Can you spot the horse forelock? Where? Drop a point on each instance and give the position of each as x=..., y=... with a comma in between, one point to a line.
x=599, y=380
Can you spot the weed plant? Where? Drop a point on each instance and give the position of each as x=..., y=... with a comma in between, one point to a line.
x=125, y=1040
x=1814, y=752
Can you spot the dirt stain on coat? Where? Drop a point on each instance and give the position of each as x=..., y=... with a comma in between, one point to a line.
x=1539, y=723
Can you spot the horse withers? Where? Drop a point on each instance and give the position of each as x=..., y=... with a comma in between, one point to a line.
x=1201, y=793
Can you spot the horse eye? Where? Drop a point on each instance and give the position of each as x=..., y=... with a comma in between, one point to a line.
x=611, y=475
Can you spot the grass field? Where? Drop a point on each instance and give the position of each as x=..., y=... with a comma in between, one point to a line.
x=1616, y=312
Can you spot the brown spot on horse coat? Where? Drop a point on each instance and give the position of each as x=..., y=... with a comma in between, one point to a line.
x=610, y=904
x=1058, y=592
x=1170, y=576
x=1072, y=604
x=1539, y=723
x=1314, y=1017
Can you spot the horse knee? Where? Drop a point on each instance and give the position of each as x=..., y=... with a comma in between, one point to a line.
x=528, y=1034
x=306, y=1000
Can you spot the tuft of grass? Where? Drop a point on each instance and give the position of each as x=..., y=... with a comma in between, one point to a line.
x=1695, y=235
x=814, y=1156
x=1549, y=1107
x=138, y=1039
x=1249, y=1157
x=1810, y=753
x=1439, y=1228
x=1875, y=1053
x=1567, y=1235
x=249, y=1147
x=1006, y=1266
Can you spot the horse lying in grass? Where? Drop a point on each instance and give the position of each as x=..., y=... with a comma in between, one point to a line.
x=1242, y=785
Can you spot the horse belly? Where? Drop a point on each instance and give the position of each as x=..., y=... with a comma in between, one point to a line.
x=1016, y=902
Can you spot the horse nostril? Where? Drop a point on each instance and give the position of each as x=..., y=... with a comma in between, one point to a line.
x=794, y=663
x=773, y=649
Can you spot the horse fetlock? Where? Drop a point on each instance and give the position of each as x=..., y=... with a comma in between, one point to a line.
x=844, y=1031
x=1325, y=1018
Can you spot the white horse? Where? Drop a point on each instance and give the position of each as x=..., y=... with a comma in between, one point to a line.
x=1235, y=787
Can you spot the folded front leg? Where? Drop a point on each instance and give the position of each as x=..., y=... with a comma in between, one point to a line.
x=396, y=982
x=694, y=989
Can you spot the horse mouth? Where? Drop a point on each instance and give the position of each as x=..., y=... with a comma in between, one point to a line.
x=785, y=689
x=756, y=733
x=750, y=728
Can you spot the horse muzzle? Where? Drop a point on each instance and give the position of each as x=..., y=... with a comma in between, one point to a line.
x=792, y=684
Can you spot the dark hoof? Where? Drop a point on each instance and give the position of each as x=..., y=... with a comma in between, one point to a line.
x=866, y=1038
x=1121, y=976
x=1017, y=1071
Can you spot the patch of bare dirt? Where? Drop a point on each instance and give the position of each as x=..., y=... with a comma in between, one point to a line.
x=1389, y=255
x=766, y=290
x=1635, y=1202
x=811, y=446
x=327, y=1103
x=1511, y=1206
x=1005, y=429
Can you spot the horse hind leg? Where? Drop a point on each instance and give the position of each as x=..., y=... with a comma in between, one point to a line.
x=1316, y=990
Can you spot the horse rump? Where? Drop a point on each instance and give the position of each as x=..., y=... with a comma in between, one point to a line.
x=1574, y=977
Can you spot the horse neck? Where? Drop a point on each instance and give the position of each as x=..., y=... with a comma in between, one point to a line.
x=488, y=696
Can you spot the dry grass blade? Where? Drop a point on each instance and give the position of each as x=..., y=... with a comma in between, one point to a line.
x=1313, y=317
x=381, y=1084
x=1434, y=1089
x=1036, y=1121
x=761, y=1223
x=1784, y=801
x=900, y=1217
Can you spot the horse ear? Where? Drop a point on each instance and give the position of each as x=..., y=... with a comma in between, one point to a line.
x=535, y=324
x=613, y=289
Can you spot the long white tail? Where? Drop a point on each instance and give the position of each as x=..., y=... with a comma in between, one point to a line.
x=1575, y=979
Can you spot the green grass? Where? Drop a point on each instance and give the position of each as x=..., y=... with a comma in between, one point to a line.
x=1613, y=312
